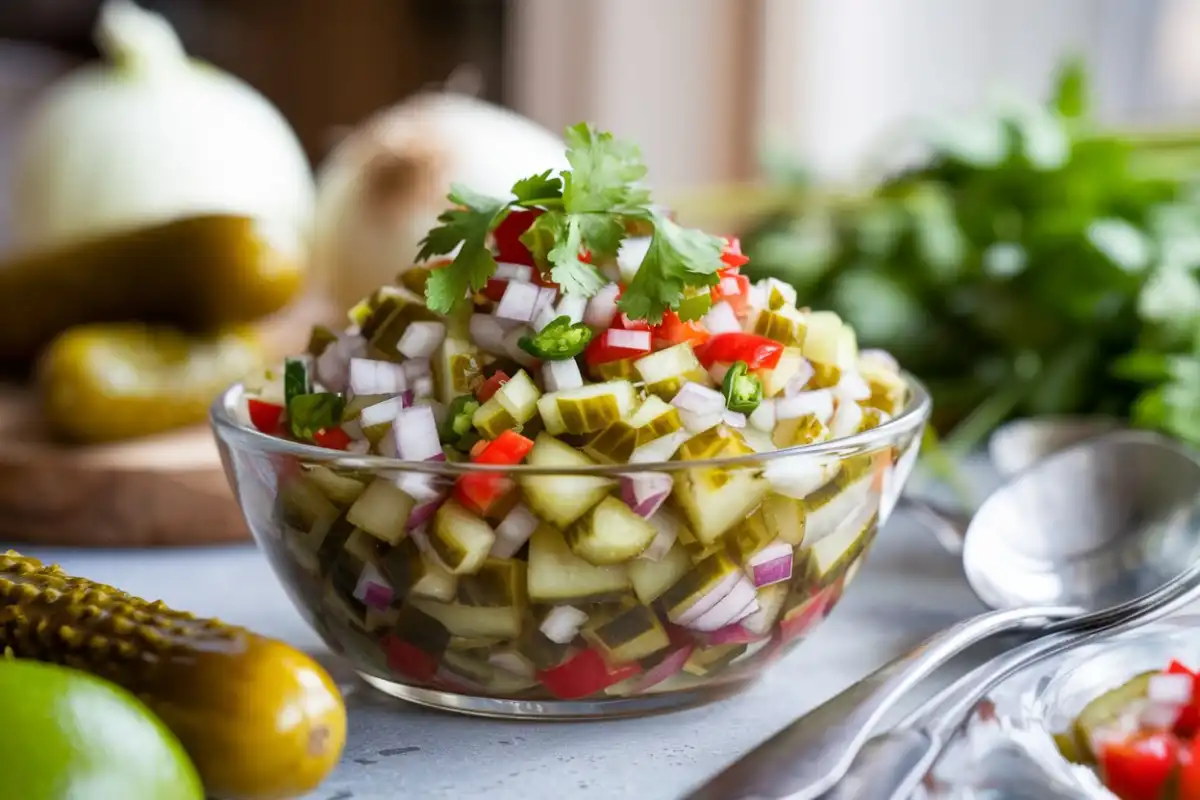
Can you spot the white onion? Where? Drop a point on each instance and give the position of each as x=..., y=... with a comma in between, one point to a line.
x=573, y=307
x=627, y=340
x=763, y=417
x=734, y=419
x=416, y=368
x=759, y=441
x=152, y=136
x=772, y=564
x=423, y=386
x=545, y=300
x=658, y=450
x=1158, y=715
x=1170, y=688
x=698, y=423
x=512, y=347
x=358, y=447
x=852, y=386
x=602, y=307
x=376, y=377
x=846, y=420
x=879, y=358
x=562, y=624
x=544, y=316
x=709, y=599
x=799, y=476
x=667, y=528
x=415, y=431
x=513, y=531
x=487, y=332
x=521, y=273
x=421, y=339
x=561, y=374
x=630, y=256
x=717, y=372
x=382, y=412
x=786, y=289
x=818, y=402
x=511, y=662
x=332, y=367
x=727, y=609
x=518, y=302
x=803, y=374
x=721, y=318
x=730, y=286
x=645, y=492
x=759, y=297
x=423, y=487
x=698, y=399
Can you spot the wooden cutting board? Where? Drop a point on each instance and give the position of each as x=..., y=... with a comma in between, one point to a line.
x=160, y=490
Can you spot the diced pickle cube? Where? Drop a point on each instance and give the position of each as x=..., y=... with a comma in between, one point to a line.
x=556, y=575
x=749, y=536
x=622, y=369
x=651, y=578
x=707, y=661
x=718, y=441
x=382, y=510
x=610, y=533
x=614, y=444
x=696, y=583
x=560, y=499
x=460, y=539
x=518, y=396
x=587, y=409
x=665, y=371
x=492, y=419
x=715, y=499
x=631, y=634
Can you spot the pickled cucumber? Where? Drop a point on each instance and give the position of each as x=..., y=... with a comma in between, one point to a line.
x=222, y=690
x=122, y=380
x=197, y=273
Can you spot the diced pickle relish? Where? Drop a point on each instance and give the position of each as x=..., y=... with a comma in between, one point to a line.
x=566, y=584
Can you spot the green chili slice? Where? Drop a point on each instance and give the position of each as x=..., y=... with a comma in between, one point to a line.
x=457, y=428
x=309, y=413
x=743, y=392
x=558, y=341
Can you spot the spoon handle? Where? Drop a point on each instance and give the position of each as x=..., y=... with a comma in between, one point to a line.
x=811, y=761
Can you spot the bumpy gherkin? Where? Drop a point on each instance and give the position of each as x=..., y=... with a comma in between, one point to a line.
x=259, y=719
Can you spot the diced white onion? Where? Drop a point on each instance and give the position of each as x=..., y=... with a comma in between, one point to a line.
x=880, y=358
x=631, y=254
x=668, y=531
x=645, y=492
x=487, y=333
x=420, y=486
x=562, y=374
x=851, y=386
x=786, y=289
x=846, y=420
x=759, y=296
x=423, y=387
x=602, y=307
x=1160, y=716
x=415, y=431
x=734, y=419
x=368, y=376
x=416, y=368
x=545, y=299
x=698, y=399
x=799, y=476
x=518, y=301
x=543, y=317
x=721, y=318
x=358, y=447
x=382, y=412
x=512, y=346
x=511, y=662
x=513, y=531
x=506, y=271
x=763, y=417
x=818, y=402
x=717, y=372
x=562, y=624
x=803, y=374
x=572, y=306
x=660, y=449
x=759, y=441
x=627, y=340
x=1170, y=688
x=699, y=423
x=421, y=339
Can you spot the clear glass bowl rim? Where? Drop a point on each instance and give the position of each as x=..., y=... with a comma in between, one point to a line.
x=230, y=431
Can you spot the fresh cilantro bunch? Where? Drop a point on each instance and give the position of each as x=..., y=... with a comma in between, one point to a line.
x=589, y=208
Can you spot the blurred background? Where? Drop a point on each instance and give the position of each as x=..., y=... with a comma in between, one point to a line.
x=998, y=191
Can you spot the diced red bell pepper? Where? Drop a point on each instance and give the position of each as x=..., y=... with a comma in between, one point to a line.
x=584, y=674
x=479, y=492
x=616, y=344
x=732, y=254
x=494, y=289
x=758, y=352
x=508, y=236
x=1189, y=771
x=405, y=658
x=622, y=322
x=332, y=438
x=673, y=331
x=490, y=386
x=733, y=289
x=263, y=415
x=1188, y=722
x=1139, y=768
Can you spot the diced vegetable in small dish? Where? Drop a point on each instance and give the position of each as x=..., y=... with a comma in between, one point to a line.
x=562, y=472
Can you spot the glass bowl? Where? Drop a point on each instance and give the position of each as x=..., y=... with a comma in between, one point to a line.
x=540, y=632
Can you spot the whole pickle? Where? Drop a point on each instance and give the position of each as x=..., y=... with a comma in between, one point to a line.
x=121, y=380
x=259, y=719
x=196, y=273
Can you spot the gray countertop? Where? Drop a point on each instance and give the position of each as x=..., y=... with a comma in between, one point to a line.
x=908, y=589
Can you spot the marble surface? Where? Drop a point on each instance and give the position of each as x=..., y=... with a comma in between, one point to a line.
x=908, y=589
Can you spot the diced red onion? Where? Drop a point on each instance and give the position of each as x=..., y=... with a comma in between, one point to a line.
x=421, y=515
x=572, y=306
x=416, y=434
x=513, y=272
x=772, y=564
x=699, y=423
x=645, y=492
x=698, y=399
x=421, y=339
x=420, y=536
x=799, y=476
x=734, y=419
x=373, y=589
x=376, y=377
x=669, y=667
x=631, y=340
x=512, y=347
x=562, y=624
x=846, y=420
x=602, y=307
x=511, y=662
x=818, y=402
x=727, y=609
x=749, y=610
x=851, y=386
x=721, y=318
x=763, y=417
x=561, y=374
x=422, y=387
x=733, y=633
x=332, y=367
x=795, y=384
x=631, y=254
x=513, y=531
x=487, y=332
x=709, y=599
x=382, y=412
x=881, y=358
x=660, y=449
x=518, y=301
x=423, y=487
x=1170, y=688
x=668, y=531
x=416, y=368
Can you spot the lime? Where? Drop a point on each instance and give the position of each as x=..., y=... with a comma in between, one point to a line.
x=68, y=735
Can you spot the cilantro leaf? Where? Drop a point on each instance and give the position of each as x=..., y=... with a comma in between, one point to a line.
x=573, y=275
x=678, y=257
x=602, y=234
x=603, y=173
x=538, y=189
x=467, y=224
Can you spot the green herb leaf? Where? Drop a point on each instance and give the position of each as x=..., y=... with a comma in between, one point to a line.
x=677, y=258
x=538, y=190
x=603, y=172
x=1071, y=90
x=297, y=378
x=468, y=225
x=309, y=413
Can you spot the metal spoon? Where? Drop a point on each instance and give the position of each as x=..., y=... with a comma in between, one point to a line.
x=1090, y=529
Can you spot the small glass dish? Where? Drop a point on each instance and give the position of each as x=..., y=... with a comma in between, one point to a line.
x=477, y=642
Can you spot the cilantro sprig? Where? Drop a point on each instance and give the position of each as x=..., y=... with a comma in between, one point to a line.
x=588, y=208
